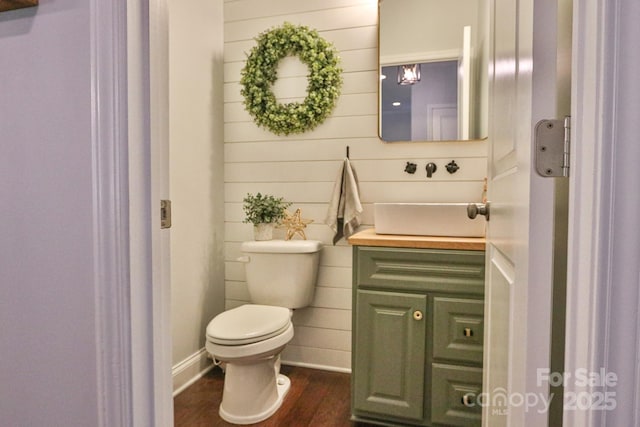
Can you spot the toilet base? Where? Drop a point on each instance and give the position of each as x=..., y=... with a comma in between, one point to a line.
x=253, y=392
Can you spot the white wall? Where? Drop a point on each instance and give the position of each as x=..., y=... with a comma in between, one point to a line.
x=302, y=168
x=412, y=27
x=196, y=177
x=48, y=373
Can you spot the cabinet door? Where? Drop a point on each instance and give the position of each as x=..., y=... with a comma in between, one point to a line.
x=389, y=353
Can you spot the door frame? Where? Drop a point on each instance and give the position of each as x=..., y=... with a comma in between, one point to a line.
x=143, y=365
x=148, y=102
x=602, y=275
x=110, y=210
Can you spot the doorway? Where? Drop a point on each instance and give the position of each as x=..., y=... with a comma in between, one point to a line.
x=587, y=208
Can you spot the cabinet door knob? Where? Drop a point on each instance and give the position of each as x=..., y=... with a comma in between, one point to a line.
x=417, y=315
x=468, y=332
x=467, y=400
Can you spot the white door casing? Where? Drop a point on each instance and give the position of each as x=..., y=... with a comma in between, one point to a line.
x=159, y=153
x=148, y=174
x=603, y=292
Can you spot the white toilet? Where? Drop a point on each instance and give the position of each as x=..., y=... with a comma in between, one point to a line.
x=281, y=275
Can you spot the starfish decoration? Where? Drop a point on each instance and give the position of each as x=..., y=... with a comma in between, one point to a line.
x=295, y=224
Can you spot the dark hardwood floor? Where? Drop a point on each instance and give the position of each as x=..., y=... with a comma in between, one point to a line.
x=316, y=398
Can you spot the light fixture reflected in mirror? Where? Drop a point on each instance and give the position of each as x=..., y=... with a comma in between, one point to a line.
x=435, y=34
x=408, y=74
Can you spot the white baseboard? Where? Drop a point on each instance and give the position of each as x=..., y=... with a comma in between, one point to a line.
x=198, y=364
x=316, y=366
x=190, y=370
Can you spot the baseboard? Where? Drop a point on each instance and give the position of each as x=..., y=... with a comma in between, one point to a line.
x=197, y=365
x=316, y=366
x=190, y=370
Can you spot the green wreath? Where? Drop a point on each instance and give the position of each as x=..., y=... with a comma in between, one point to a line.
x=260, y=73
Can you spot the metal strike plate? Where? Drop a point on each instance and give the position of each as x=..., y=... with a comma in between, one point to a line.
x=165, y=213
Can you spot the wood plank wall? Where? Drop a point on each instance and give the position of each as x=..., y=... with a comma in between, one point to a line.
x=303, y=168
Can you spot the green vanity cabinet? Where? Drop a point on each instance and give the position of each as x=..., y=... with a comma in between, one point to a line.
x=417, y=336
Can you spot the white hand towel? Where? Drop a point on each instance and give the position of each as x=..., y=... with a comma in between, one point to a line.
x=343, y=216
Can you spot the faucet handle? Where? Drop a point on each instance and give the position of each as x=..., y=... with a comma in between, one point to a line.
x=452, y=166
x=410, y=168
x=431, y=168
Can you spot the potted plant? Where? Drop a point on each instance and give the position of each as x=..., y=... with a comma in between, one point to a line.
x=264, y=212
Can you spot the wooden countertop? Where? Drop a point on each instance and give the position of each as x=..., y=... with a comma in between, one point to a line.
x=369, y=237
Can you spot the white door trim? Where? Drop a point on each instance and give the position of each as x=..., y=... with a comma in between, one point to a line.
x=127, y=371
x=109, y=142
x=585, y=226
x=132, y=339
x=161, y=261
x=603, y=276
x=148, y=177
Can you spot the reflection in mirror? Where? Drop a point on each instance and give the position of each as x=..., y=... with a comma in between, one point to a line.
x=433, y=70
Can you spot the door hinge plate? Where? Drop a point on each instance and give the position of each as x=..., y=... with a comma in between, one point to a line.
x=552, y=141
x=165, y=213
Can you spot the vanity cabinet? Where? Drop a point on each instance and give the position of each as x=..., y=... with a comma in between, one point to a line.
x=417, y=336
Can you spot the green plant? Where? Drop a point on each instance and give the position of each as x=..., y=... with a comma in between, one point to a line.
x=264, y=209
x=260, y=73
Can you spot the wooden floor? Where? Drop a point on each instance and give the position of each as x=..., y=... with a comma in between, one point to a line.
x=316, y=398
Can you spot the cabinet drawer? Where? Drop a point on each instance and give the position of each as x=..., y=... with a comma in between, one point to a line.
x=458, y=329
x=454, y=395
x=429, y=270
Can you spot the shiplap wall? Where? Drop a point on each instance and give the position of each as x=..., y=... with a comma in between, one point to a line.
x=303, y=168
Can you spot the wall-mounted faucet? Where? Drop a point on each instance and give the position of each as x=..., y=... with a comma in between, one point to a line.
x=431, y=168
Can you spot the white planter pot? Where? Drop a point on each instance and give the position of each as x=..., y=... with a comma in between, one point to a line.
x=263, y=231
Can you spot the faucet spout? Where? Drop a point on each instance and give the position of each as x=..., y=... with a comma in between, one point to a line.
x=431, y=168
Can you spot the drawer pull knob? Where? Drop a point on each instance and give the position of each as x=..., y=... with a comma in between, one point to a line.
x=467, y=400
x=417, y=315
x=468, y=332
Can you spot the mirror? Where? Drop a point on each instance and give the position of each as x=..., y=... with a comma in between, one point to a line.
x=433, y=59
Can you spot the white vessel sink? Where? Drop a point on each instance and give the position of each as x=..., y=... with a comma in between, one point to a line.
x=427, y=219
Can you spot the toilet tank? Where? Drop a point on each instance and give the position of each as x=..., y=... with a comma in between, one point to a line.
x=282, y=272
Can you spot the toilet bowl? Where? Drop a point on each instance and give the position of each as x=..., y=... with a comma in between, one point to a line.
x=248, y=339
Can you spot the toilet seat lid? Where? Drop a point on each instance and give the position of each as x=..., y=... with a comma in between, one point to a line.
x=248, y=324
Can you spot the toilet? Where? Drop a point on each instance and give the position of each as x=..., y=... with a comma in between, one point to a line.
x=247, y=340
